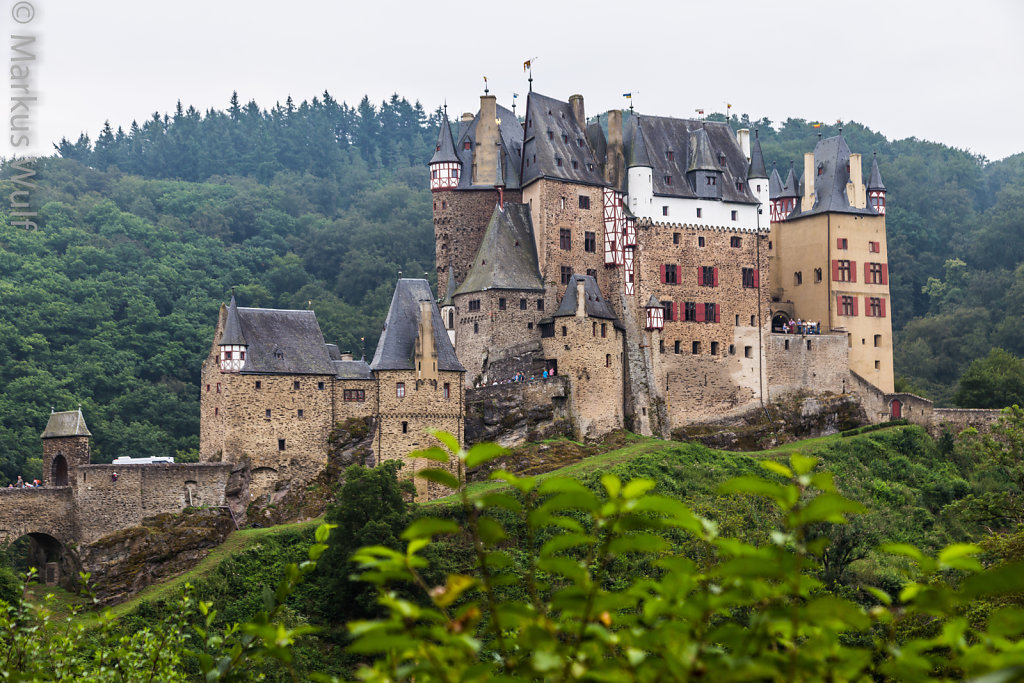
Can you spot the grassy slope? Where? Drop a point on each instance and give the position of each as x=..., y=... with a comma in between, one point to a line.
x=691, y=472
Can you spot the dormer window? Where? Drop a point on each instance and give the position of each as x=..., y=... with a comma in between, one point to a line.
x=575, y=164
x=551, y=135
x=558, y=161
x=668, y=180
x=711, y=180
x=821, y=169
x=565, y=137
x=670, y=155
x=579, y=142
x=467, y=145
x=739, y=186
x=438, y=148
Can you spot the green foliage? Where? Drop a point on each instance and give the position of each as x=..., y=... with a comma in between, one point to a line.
x=749, y=612
x=996, y=381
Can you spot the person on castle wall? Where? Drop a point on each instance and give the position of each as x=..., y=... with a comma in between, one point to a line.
x=545, y=376
x=20, y=483
x=113, y=478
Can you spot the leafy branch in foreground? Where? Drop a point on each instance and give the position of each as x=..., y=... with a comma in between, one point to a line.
x=755, y=612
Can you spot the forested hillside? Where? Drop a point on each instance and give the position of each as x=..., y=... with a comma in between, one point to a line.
x=142, y=233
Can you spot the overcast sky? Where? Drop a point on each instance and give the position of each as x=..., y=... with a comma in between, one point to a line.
x=944, y=70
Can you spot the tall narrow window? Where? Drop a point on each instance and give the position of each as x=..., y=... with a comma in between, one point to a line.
x=565, y=238
x=590, y=242
x=280, y=444
x=566, y=274
x=400, y=389
x=447, y=391
x=405, y=427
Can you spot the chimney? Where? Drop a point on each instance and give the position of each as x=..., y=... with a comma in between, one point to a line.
x=743, y=137
x=581, y=298
x=613, y=165
x=347, y=355
x=425, y=356
x=467, y=117
x=485, y=151
x=855, y=188
x=810, y=175
x=576, y=102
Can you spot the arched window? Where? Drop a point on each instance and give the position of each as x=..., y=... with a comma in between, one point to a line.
x=59, y=471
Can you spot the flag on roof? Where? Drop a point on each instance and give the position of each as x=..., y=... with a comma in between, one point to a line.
x=628, y=95
x=817, y=125
x=526, y=64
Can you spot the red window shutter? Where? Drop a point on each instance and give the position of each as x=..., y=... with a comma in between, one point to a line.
x=855, y=300
x=882, y=301
x=662, y=273
x=700, y=312
x=717, y=314
x=716, y=277
x=867, y=306
x=885, y=273
x=757, y=278
x=867, y=272
x=839, y=243
x=839, y=303
x=700, y=275
x=853, y=271
x=835, y=271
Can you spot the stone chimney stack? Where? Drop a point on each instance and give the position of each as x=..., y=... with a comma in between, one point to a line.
x=576, y=102
x=743, y=137
x=425, y=355
x=616, y=160
x=810, y=173
x=467, y=117
x=855, y=188
x=581, y=298
x=346, y=356
x=485, y=152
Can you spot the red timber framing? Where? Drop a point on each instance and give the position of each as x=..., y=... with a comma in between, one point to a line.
x=444, y=176
x=613, y=223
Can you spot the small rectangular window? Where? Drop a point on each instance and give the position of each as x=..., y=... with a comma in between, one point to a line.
x=675, y=238
x=670, y=155
x=734, y=215
x=566, y=274
x=700, y=212
x=592, y=272
x=734, y=241
x=540, y=304
x=400, y=389
x=300, y=413
x=501, y=303
x=878, y=340
x=677, y=346
x=584, y=201
x=280, y=444
x=259, y=384
x=604, y=329
x=748, y=351
x=798, y=278
x=700, y=240
x=590, y=242
x=208, y=386
x=668, y=180
x=714, y=348
x=522, y=304
x=565, y=330
x=319, y=386
x=405, y=427
x=295, y=385
x=696, y=348
x=664, y=211
x=216, y=411
x=817, y=275
x=447, y=390
x=607, y=360
x=268, y=412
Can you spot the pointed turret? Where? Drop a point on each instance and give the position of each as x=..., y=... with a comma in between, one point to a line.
x=775, y=194
x=639, y=171
x=444, y=165
x=757, y=168
x=655, y=314
x=232, y=342
x=784, y=201
x=876, y=189
x=638, y=155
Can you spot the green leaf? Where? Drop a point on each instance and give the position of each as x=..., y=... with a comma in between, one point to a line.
x=443, y=477
x=565, y=541
x=323, y=531
x=500, y=500
x=446, y=438
x=484, y=452
x=562, y=485
x=827, y=507
x=490, y=531
x=802, y=464
x=612, y=485
x=428, y=527
x=960, y=556
x=882, y=596
x=784, y=496
x=638, y=543
x=904, y=549
x=777, y=467
x=435, y=453
x=1003, y=580
x=839, y=613
x=636, y=488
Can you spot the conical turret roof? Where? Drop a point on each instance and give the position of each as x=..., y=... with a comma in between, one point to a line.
x=701, y=157
x=774, y=184
x=445, y=149
x=791, y=187
x=638, y=154
x=876, y=176
x=232, y=327
x=757, y=169
x=450, y=290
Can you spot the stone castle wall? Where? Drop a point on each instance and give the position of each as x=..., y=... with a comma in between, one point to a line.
x=813, y=364
x=44, y=510
x=103, y=505
x=403, y=420
x=460, y=220
x=956, y=420
x=484, y=333
x=516, y=412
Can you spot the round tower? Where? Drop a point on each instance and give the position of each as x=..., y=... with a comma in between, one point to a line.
x=757, y=174
x=445, y=167
x=640, y=174
x=232, y=342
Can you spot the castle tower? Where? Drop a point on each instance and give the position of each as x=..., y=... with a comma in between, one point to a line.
x=232, y=343
x=65, y=447
x=639, y=173
x=876, y=190
x=757, y=175
x=775, y=194
x=445, y=166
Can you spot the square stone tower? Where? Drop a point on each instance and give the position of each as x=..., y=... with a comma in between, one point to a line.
x=65, y=447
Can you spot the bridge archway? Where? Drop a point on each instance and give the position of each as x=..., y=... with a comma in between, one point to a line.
x=59, y=471
x=54, y=562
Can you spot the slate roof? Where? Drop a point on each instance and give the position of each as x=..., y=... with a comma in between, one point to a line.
x=774, y=184
x=398, y=340
x=352, y=369
x=701, y=157
x=638, y=155
x=653, y=302
x=232, y=330
x=510, y=132
x=663, y=135
x=283, y=342
x=507, y=257
x=791, y=188
x=66, y=423
x=833, y=155
x=445, y=148
x=757, y=169
x=876, y=176
x=567, y=141
x=596, y=306
x=450, y=290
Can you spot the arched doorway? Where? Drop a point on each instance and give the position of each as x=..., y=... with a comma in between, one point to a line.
x=778, y=321
x=59, y=471
x=896, y=409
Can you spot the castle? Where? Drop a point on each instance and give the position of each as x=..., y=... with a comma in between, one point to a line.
x=627, y=255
